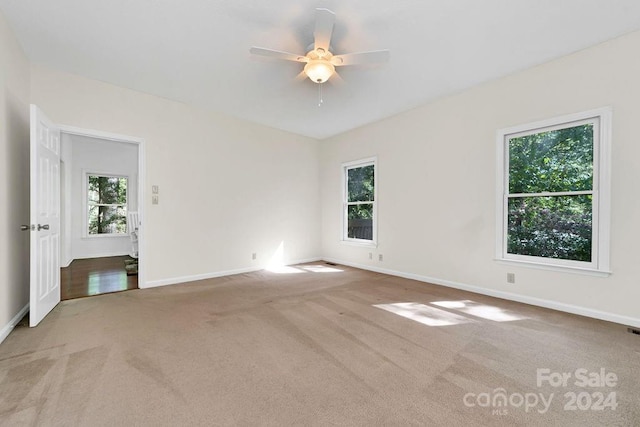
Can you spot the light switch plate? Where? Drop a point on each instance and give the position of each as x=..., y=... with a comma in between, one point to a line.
x=154, y=189
x=154, y=199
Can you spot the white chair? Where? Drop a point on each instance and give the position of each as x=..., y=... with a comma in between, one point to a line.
x=133, y=225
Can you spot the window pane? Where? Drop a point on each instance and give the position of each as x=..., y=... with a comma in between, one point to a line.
x=107, y=219
x=107, y=190
x=94, y=194
x=360, y=219
x=558, y=160
x=551, y=227
x=360, y=183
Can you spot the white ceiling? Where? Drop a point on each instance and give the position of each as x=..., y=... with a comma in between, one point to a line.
x=196, y=51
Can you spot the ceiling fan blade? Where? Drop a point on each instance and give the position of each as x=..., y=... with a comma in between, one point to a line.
x=372, y=57
x=336, y=80
x=302, y=76
x=278, y=54
x=324, y=28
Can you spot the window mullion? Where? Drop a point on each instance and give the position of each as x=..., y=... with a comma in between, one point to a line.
x=360, y=203
x=551, y=194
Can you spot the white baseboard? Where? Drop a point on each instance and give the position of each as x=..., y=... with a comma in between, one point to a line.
x=192, y=278
x=101, y=255
x=4, y=333
x=568, y=308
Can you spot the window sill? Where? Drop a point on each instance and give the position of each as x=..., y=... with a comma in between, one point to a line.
x=361, y=243
x=550, y=267
x=106, y=236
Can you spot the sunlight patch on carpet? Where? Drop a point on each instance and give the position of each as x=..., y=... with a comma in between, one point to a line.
x=321, y=269
x=473, y=308
x=424, y=314
x=284, y=269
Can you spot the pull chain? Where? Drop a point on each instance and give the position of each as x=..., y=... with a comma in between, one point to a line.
x=320, y=101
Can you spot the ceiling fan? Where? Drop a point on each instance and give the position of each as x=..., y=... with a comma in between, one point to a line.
x=320, y=61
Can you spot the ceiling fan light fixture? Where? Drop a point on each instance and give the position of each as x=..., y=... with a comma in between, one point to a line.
x=319, y=70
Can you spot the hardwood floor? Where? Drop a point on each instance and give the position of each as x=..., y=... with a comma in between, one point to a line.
x=94, y=276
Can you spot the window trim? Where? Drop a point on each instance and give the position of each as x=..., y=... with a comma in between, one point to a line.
x=85, y=203
x=374, y=232
x=601, y=190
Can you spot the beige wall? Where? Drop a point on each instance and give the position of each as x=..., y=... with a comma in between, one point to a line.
x=228, y=188
x=436, y=188
x=14, y=178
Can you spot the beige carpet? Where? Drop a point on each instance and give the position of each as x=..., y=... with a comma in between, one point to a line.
x=308, y=346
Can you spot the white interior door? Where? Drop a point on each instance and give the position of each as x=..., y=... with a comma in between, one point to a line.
x=45, y=216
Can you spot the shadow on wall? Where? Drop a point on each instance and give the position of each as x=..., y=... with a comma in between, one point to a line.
x=17, y=137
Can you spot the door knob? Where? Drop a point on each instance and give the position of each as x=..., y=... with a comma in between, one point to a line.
x=25, y=227
x=43, y=227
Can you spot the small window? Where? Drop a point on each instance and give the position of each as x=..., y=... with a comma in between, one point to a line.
x=360, y=201
x=106, y=205
x=554, y=192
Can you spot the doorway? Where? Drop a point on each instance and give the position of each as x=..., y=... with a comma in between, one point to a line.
x=100, y=209
x=46, y=247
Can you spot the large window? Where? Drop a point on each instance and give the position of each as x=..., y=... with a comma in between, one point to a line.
x=359, y=208
x=554, y=198
x=106, y=204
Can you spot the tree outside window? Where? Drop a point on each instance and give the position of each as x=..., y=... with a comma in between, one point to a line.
x=550, y=206
x=360, y=201
x=107, y=204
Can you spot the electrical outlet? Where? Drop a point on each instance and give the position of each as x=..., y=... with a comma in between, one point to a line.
x=380, y=257
x=154, y=199
x=370, y=255
x=511, y=277
x=154, y=189
x=254, y=256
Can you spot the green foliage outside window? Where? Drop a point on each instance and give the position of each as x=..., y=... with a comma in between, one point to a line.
x=107, y=204
x=360, y=188
x=552, y=226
